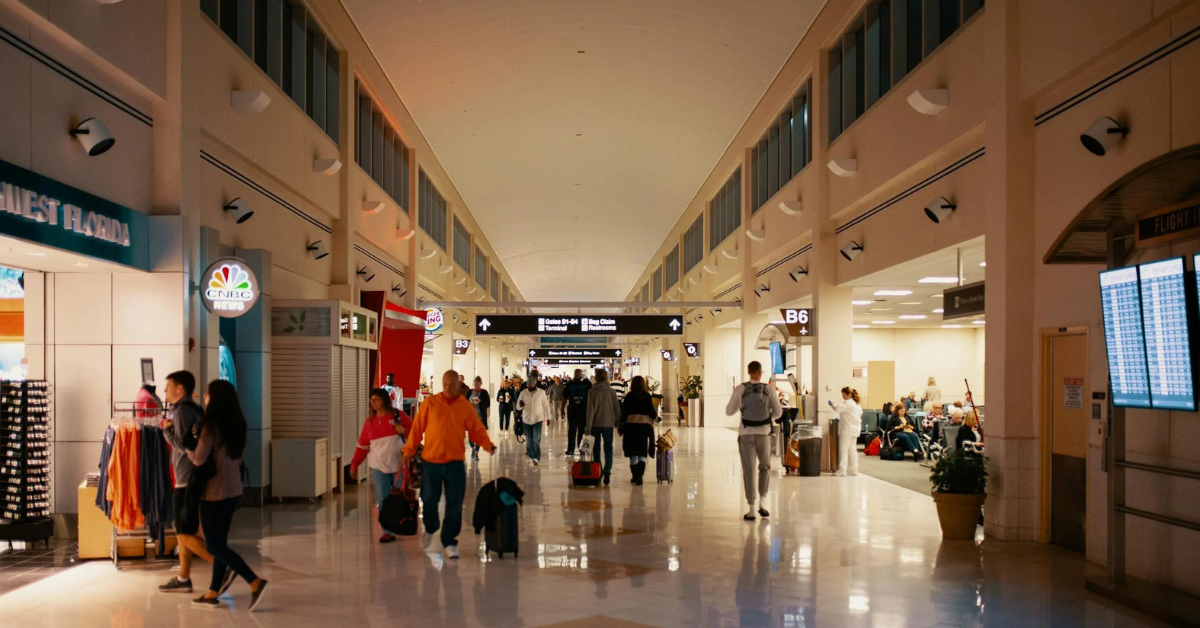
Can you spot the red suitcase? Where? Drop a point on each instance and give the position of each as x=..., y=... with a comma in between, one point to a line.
x=585, y=473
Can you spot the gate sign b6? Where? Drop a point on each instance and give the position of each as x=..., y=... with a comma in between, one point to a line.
x=799, y=322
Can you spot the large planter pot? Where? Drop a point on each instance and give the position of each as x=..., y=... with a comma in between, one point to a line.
x=657, y=400
x=959, y=514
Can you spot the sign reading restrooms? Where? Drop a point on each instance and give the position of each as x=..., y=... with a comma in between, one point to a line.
x=230, y=288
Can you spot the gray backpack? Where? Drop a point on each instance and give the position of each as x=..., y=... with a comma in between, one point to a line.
x=756, y=404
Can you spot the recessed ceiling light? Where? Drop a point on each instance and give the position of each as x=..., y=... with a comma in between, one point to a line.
x=983, y=264
x=978, y=322
x=81, y=264
x=894, y=293
x=945, y=280
x=935, y=296
x=883, y=322
x=880, y=309
x=862, y=302
x=938, y=311
x=913, y=317
x=36, y=254
x=911, y=303
x=861, y=326
x=951, y=326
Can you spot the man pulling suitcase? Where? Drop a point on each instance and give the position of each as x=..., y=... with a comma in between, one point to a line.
x=576, y=396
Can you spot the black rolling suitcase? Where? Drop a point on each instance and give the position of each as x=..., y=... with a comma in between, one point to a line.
x=502, y=538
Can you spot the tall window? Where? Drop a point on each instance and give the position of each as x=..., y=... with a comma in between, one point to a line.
x=504, y=294
x=784, y=150
x=725, y=211
x=658, y=283
x=289, y=46
x=494, y=284
x=882, y=45
x=481, y=268
x=693, y=244
x=671, y=268
x=380, y=151
x=462, y=246
x=431, y=213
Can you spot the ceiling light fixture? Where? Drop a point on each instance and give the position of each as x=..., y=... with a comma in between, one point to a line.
x=366, y=274
x=913, y=317
x=1101, y=136
x=978, y=322
x=81, y=264
x=880, y=309
x=883, y=322
x=34, y=254
x=892, y=293
x=939, y=209
x=983, y=264
x=861, y=326
x=951, y=326
x=938, y=311
x=318, y=249
x=938, y=280
x=935, y=296
x=862, y=302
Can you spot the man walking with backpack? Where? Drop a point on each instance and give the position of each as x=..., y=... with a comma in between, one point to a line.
x=576, y=395
x=759, y=406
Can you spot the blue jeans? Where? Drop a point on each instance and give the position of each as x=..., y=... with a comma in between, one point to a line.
x=453, y=476
x=533, y=440
x=908, y=441
x=605, y=434
x=383, y=483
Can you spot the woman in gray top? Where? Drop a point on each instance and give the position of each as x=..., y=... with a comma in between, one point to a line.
x=218, y=456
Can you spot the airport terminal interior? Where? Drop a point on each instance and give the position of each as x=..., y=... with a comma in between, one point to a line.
x=621, y=314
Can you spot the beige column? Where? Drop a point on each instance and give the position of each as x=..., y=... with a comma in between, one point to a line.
x=343, y=284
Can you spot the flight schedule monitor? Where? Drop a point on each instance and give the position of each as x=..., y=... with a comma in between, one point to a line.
x=1123, y=338
x=1168, y=338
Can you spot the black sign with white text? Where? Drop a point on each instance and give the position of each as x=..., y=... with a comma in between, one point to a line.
x=576, y=353
x=461, y=345
x=572, y=362
x=578, y=325
x=963, y=302
x=692, y=349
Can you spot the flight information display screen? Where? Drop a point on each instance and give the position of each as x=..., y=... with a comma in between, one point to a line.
x=1123, y=338
x=1168, y=340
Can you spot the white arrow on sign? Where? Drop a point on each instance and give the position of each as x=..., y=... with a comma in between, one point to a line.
x=618, y=353
x=674, y=324
x=484, y=324
x=532, y=353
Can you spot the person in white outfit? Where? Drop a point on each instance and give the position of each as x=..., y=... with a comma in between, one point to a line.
x=849, y=415
x=758, y=403
x=535, y=409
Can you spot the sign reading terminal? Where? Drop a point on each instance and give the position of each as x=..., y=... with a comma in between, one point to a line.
x=577, y=325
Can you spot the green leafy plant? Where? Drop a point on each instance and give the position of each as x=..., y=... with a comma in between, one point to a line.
x=297, y=323
x=691, y=387
x=959, y=472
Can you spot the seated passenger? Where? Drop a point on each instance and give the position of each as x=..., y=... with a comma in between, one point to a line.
x=903, y=432
x=970, y=433
x=956, y=415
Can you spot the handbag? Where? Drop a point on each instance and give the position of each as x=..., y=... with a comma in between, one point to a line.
x=666, y=441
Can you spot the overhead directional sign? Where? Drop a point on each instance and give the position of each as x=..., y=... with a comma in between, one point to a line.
x=692, y=349
x=576, y=353
x=572, y=362
x=578, y=325
x=799, y=322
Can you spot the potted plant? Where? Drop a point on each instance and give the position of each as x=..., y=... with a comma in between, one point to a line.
x=959, y=490
x=655, y=389
x=689, y=389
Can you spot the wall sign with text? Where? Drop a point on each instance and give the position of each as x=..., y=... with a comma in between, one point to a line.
x=961, y=302
x=577, y=325
x=433, y=319
x=576, y=353
x=461, y=345
x=230, y=288
x=799, y=322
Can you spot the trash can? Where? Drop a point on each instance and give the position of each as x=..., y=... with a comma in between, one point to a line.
x=807, y=440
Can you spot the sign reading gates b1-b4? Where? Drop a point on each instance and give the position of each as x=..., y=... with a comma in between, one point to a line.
x=578, y=325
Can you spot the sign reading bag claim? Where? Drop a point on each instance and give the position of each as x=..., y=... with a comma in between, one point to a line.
x=230, y=288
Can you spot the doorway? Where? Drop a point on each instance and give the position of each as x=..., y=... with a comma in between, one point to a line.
x=1066, y=355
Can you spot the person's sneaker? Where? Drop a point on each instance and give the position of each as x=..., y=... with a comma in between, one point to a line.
x=475, y=456
x=839, y=474
x=606, y=479
x=230, y=576
x=175, y=585
x=256, y=597
x=762, y=512
x=854, y=473
x=207, y=602
x=387, y=538
x=452, y=551
x=749, y=516
x=426, y=539
x=535, y=462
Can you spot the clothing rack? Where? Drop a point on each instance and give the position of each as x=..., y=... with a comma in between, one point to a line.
x=134, y=436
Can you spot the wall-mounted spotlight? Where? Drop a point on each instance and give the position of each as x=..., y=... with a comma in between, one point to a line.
x=699, y=317
x=1101, y=136
x=762, y=287
x=366, y=274
x=758, y=235
x=714, y=311
x=852, y=250
x=318, y=249
x=939, y=209
x=400, y=290
x=843, y=167
x=712, y=270
x=239, y=209
x=93, y=136
x=370, y=208
x=471, y=290
x=729, y=253
x=249, y=102
x=327, y=167
x=798, y=273
x=929, y=101
x=791, y=208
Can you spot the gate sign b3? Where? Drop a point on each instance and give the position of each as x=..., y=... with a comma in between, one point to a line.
x=799, y=322
x=461, y=345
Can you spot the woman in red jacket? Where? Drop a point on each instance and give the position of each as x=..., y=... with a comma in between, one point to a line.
x=379, y=445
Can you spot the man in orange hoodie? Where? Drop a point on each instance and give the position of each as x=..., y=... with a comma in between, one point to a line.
x=443, y=422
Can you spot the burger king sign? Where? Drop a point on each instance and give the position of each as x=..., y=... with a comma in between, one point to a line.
x=433, y=320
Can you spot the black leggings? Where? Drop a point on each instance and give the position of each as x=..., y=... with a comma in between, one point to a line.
x=217, y=518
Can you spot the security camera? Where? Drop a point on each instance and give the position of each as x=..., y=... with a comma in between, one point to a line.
x=94, y=136
x=239, y=209
x=318, y=249
x=1102, y=135
x=938, y=209
x=798, y=273
x=851, y=250
x=760, y=289
x=366, y=274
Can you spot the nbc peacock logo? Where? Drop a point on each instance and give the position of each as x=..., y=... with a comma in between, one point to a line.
x=231, y=288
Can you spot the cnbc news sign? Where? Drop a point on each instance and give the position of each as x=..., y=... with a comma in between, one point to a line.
x=41, y=210
x=230, y=288
x=576, y=325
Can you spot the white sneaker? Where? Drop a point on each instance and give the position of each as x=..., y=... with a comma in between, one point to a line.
x=426, y=539
x=839, y=474
x=853, y=473
x=452, y=552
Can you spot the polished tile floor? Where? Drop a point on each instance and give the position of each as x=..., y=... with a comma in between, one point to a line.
x=836, y=552
x=26, y=565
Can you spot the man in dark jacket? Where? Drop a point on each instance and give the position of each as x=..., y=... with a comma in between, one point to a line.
x=576, y=396
x=603, y=412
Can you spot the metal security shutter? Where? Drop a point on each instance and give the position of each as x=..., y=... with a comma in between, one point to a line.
x=350, y=404
x=334, y=427
x=300, y=401
x=364, y=402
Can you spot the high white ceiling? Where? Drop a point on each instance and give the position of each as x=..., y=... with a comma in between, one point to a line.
x=578, y=131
